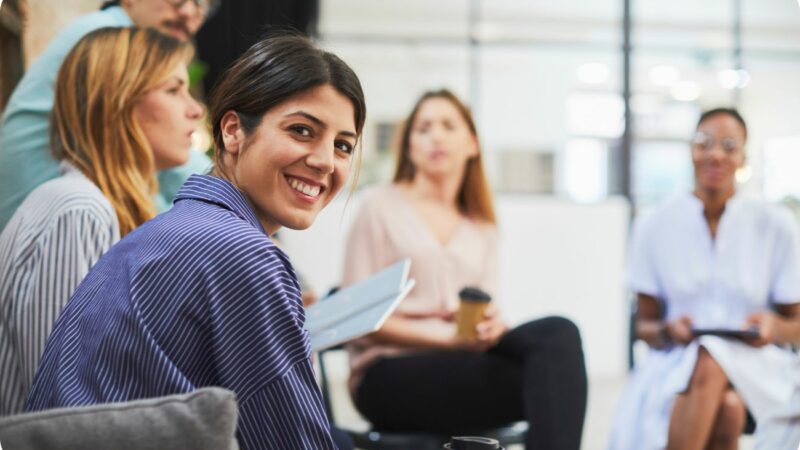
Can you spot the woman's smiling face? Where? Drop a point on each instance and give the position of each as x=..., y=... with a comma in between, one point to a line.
x=717, y=152
x=297, y=159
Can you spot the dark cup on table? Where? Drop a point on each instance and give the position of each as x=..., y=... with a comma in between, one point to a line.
x=472, y=443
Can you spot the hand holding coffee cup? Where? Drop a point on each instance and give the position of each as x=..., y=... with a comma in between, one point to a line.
x=472, y=311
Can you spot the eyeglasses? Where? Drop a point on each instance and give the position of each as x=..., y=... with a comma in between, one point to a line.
x=707, y=142
x=200, y=5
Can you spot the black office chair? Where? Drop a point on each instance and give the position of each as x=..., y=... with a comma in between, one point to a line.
x=382, y=440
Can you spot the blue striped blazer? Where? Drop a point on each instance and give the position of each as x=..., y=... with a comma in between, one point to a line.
x=198, y=296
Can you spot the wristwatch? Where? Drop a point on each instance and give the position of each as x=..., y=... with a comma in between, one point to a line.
x=664, y=339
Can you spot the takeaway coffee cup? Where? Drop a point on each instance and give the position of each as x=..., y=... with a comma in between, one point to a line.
x=472, y=443
x=473, y=305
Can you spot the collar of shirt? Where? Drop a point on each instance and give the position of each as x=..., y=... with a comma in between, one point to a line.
x=730, y=205
x=209, y=189
x=67, y=169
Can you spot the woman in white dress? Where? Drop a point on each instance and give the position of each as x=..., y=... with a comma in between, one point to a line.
x=713, y=259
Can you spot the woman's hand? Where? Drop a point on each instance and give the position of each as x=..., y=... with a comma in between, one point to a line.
x=448, y=316
x=308, y=296
x=764, y=321
x=490, y=329
x=679, y=331
x=488, y=332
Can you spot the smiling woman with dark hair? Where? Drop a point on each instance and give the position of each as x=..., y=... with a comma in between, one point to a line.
x=200, y=295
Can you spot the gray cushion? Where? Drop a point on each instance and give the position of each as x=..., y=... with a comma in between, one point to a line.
x=199, y=420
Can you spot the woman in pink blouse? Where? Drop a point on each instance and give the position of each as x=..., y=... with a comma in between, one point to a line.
x=415, y=373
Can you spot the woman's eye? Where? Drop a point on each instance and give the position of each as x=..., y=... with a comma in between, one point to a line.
x=174, y=90
x=344, y=146
x=729, y=145
x=301, y=130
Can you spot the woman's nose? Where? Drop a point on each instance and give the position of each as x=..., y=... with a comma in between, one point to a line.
x=195, y=109
x=321, y=158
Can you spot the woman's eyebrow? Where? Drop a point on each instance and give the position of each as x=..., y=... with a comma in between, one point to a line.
x=318, y=121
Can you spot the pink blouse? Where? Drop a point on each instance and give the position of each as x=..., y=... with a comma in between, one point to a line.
x=387, y=229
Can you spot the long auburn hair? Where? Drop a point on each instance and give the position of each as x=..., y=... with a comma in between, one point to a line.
x=92, y=123
x=474, y=198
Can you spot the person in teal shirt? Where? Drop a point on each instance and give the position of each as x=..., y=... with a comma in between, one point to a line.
x=25, y=158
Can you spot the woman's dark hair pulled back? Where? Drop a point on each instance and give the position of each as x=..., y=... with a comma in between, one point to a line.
x=275, y=68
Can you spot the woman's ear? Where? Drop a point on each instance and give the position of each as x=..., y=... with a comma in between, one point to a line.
x=232, y=132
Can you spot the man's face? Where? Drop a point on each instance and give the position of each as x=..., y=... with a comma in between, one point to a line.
x=177, y=18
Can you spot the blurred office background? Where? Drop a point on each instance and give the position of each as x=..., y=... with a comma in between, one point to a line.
x=547, y=79
x=548, y=83
x=577, y=133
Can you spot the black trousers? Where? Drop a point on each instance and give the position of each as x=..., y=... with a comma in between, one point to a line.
x=536, y=373
x=341, y=439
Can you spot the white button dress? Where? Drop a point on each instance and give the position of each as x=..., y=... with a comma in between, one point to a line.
x=753, y=263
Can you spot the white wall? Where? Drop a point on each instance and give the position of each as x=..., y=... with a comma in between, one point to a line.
x=556, y=257
x=560, y=257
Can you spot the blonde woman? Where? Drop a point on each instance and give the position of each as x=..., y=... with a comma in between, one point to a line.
x=415, y=374
x=122, y=111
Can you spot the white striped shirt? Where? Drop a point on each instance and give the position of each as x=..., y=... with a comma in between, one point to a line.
x=57, y=234
x=198, y=296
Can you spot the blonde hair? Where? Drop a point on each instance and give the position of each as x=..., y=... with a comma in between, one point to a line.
x=93, y=125
x=474, y=198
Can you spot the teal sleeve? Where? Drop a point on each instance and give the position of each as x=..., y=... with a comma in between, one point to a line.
x=25, y=158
